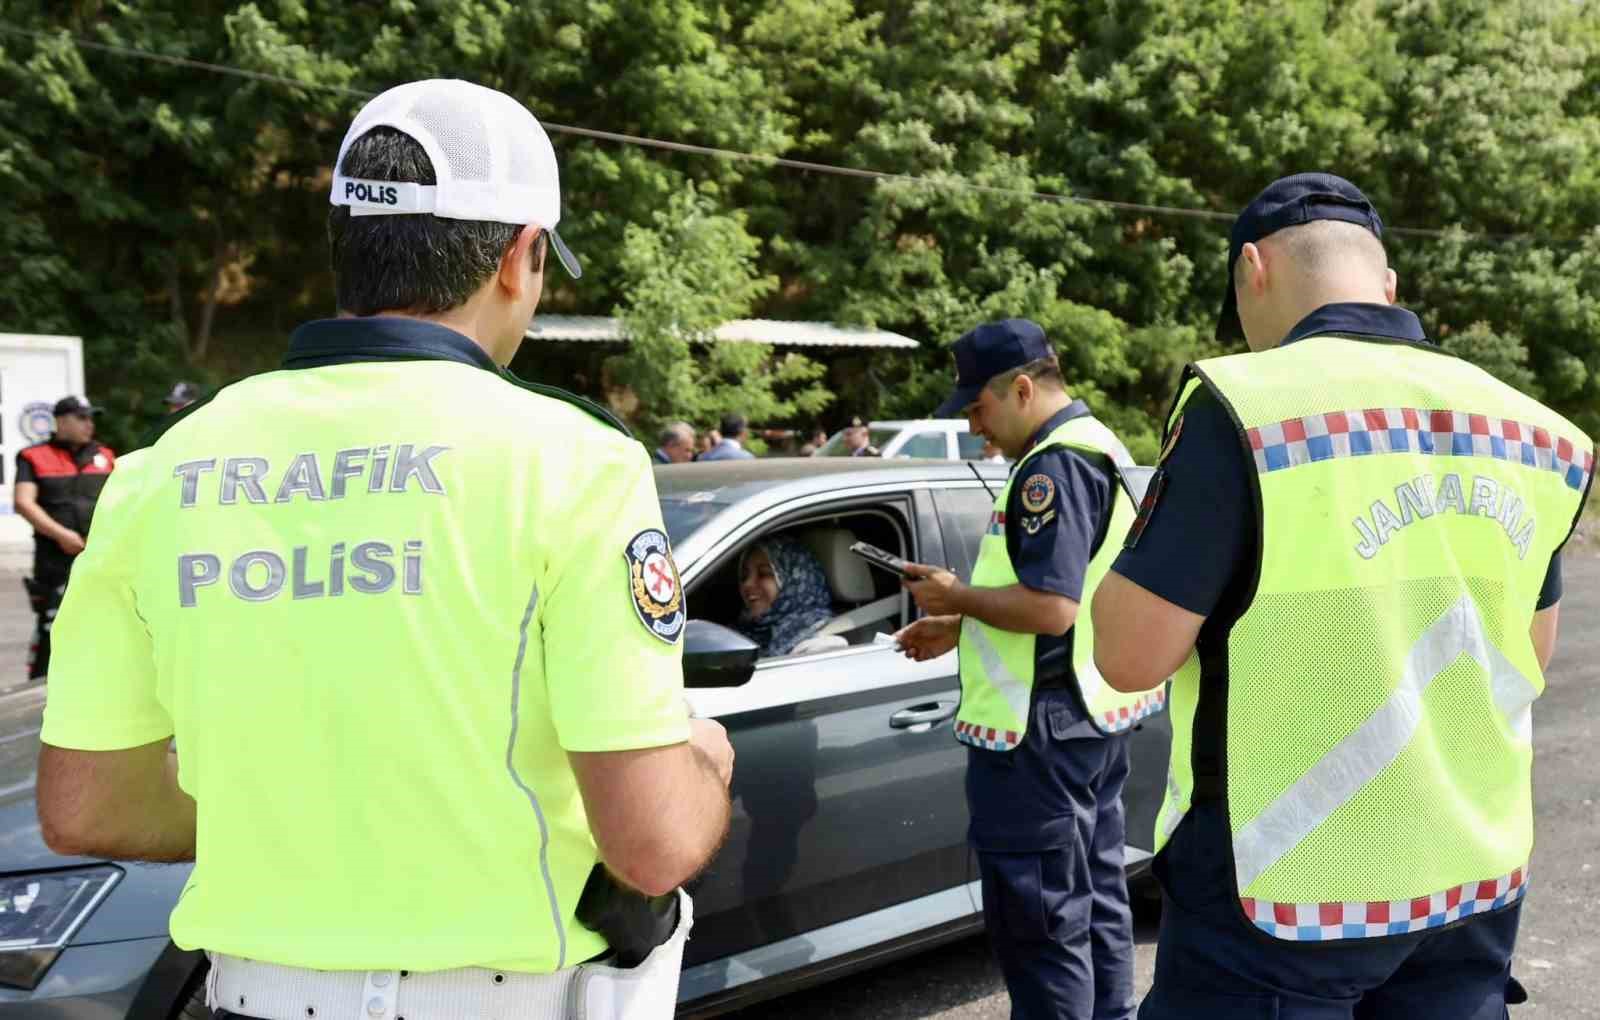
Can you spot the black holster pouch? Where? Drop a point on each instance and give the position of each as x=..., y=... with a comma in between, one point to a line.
x=630, y=922
x=37, y=593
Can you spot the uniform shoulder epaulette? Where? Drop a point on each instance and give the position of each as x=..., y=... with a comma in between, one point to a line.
x=583, y=404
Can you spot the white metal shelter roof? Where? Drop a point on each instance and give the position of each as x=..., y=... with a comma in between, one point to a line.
x=780, y=332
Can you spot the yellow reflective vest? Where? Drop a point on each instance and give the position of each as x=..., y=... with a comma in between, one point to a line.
x=377, y=627
x=997, y=666
x=1373, y=705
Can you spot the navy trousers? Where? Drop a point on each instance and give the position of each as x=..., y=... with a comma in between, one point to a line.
x=1048, y=828
x=1212, y=963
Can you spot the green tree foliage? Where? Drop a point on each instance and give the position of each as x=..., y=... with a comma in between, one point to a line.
x=688, y=273
x=173, y=217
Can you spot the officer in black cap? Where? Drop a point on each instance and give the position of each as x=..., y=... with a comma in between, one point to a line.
x=58, y=485
x=856, y=439
x=1044, y=782
x=1306, y=267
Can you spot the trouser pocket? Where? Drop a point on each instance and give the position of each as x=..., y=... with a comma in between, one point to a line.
x=1035, y=895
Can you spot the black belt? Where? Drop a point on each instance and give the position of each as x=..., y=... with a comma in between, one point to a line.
x=1053, y=682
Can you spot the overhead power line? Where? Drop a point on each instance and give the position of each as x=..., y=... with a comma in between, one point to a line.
x=945, y=183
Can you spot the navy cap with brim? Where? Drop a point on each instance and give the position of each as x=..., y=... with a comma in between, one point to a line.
x=963, y=396
x=72, y=405
x=1288, y=202
x=990, y=350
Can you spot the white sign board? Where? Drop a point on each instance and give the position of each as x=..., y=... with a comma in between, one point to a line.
x=35, y=372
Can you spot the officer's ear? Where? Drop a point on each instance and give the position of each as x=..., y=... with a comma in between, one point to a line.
x=522, y=266
x=1251, y=271
x=1025, y=389
x=1391, y=285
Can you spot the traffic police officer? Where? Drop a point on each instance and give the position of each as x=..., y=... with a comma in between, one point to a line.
x=58, y=484
x=1350, y=550
x=1047, y=739
x=416, y=629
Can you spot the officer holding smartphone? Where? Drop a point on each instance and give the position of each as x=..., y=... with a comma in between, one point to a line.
x=1047, y=738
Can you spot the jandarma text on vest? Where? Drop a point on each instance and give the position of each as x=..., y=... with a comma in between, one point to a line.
x=260, y=575
x=1420, y=499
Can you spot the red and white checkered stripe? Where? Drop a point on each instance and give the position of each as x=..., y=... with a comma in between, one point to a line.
x=1321, y=922
x=1128, y=715
x=987, y=737
x=1296, y=441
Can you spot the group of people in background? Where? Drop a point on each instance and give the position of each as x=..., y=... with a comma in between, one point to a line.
x=679, y=443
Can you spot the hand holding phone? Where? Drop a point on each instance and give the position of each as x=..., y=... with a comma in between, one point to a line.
x=881, y=558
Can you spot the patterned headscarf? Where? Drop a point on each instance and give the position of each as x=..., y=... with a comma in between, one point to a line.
x=803, y=604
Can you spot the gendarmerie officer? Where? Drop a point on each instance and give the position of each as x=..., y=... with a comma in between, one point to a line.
x=416, y=629
x=1047, y=738
x=1349, y=556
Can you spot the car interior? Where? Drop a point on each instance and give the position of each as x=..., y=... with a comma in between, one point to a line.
x=867, y=601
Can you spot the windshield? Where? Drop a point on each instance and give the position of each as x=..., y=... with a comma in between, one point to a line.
x=684, y=514
x=836, y=447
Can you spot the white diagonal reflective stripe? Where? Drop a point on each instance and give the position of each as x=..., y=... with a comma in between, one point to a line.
x=1011, y=687
x=1090, y=681
x=1513, y=694
x=1352, y=764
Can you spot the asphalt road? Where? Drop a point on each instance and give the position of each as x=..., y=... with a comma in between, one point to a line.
x=1559, y=948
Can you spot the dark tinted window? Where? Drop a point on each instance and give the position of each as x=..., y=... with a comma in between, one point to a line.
x=971, y=445
x=683, y=516
x=963, y=517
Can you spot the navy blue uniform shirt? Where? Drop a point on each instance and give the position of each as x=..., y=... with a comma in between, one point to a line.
x=1056, y=518
x=1198, y=546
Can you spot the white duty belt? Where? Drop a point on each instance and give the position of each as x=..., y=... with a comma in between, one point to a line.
x=589, y=991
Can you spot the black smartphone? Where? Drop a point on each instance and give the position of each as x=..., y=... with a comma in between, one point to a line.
x=881, y=559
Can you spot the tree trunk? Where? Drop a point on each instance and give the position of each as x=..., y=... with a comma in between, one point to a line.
x=175, y=301
x=221, y=254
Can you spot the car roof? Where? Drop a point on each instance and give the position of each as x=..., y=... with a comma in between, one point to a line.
x=733, y=480
x=906, y=423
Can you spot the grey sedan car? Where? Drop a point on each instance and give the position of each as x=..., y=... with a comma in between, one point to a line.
x=848, y=843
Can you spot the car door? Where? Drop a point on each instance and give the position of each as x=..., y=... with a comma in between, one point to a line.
x=848, y=805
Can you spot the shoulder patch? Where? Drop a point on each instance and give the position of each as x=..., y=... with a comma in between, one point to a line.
x=1038, y=492
x=1147, y=507
x=655, y=586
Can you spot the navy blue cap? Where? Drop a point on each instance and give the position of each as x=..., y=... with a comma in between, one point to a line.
x=990, y=350
x=75, y=405
x=1288, y=202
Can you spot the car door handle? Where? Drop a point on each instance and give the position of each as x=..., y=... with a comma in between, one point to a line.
x=923, y=715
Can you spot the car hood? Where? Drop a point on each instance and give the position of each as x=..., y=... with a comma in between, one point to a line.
x=21, y=845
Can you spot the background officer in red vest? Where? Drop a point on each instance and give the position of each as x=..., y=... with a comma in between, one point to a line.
x=58, y=484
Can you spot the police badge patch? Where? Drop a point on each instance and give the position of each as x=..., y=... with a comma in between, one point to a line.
x=1038, y=492
x=655, y=586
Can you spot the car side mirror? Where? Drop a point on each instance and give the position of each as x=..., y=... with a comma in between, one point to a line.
x=717, y=656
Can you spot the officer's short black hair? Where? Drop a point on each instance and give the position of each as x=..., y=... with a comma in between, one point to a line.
x=418, y=264
x=733, y=426
x=1042, y=370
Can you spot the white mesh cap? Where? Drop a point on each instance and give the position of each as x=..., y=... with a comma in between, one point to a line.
x=491, y=158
